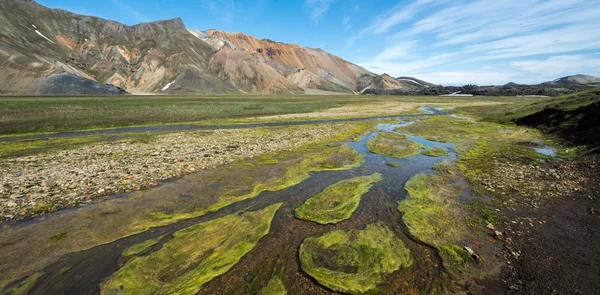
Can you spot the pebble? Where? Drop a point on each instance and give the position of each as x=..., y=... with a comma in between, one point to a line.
x=498, y=235
x=72, y=177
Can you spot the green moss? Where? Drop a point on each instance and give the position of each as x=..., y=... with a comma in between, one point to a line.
x=393, y=145
x=24, y=286
x=430, y=211
x=487, y=214
x=394, y=164
x=129, y=216
x=160, y=215
x=445, y=166
x=338, y=201
x=144, y=138
x=275, y=284
x=474, y=222
x=491, y=159
x=140, y=247
x=194, y=256
x=456, y=254
x=269, y=162
x=63, y=270
x=274, y=287
x=41, y=208
x=447, y=129
x=329, y=159
x=58, y=236
x=354, y=261
x=435, y=152
x=32, y=146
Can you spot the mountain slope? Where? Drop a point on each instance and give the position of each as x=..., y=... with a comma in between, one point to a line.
x=303, y=67
x=38, y=42
x=53, y=51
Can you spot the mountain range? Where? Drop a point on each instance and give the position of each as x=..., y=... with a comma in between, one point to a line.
x=53, y=51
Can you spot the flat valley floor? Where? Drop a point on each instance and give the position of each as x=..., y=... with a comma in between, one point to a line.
x=293, y=195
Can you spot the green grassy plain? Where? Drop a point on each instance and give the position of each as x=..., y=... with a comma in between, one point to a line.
x=51, y=114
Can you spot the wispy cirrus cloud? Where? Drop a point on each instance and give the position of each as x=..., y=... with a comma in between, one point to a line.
x=472, y=34
x=555, y=66
x=122, y=5
x=318, y=8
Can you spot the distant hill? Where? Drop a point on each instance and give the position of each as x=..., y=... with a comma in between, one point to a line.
x=512, y=84
x=576, y=80
x=561, y=86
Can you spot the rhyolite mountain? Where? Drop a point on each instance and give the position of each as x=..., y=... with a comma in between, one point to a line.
x=53, y=51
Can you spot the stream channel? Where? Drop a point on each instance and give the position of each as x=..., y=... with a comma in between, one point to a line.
x=87, y=269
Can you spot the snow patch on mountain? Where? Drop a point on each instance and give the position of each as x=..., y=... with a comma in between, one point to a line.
x=167, y=86
x=38, y=32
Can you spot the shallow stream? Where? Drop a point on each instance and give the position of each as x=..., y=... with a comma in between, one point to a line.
x=82, y=272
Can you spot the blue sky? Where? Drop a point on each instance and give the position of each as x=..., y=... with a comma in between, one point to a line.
x=441, y=41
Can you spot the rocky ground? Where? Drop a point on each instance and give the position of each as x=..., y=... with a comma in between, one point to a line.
x=554, y=250
x=41, y=183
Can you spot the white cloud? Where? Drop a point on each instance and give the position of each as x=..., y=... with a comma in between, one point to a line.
x=347, y=23
x=129, y=9
x=488, y=35
x=409, y=66
x=557, y=66
x=401, y=13
x=395, y=51
x=318, y=8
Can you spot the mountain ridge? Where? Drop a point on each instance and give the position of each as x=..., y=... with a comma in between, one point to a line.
x=165, y=56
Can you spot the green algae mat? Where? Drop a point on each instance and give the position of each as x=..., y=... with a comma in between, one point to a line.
x=140, y=247
x=338, y=201
x=393, y=145
x=274, y=287
x=194, y=256
x=429, y=211
x=354, y=261
x=435, y=152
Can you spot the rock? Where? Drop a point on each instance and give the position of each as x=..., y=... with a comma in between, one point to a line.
x=249, y=278
x=472, y=253
x=498, y=235
x=490, y=226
